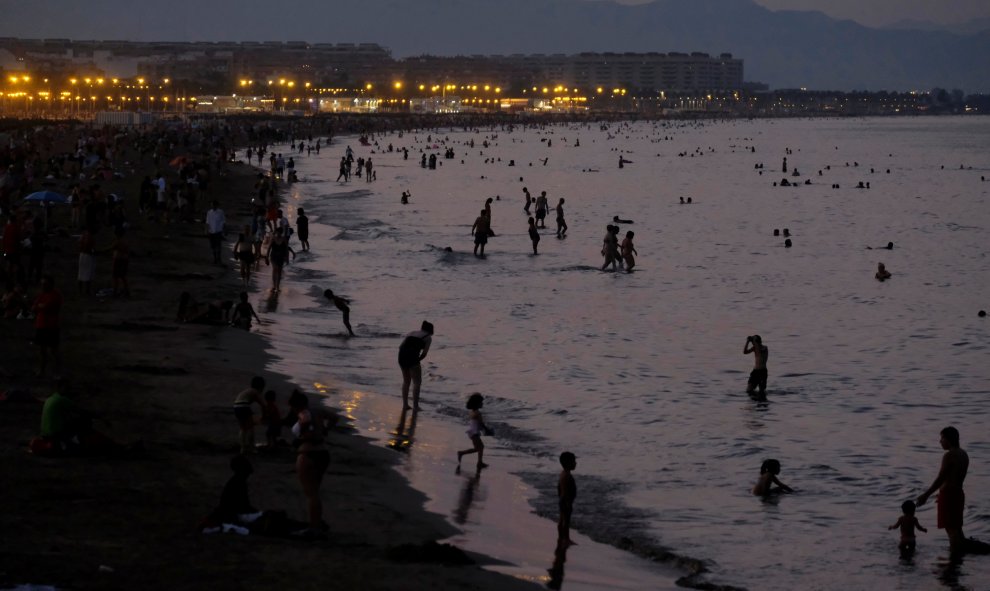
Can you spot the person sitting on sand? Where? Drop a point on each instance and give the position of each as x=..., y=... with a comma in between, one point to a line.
x=68, y=428
x=341, y=305
x=235, y=504
x=192, y=312
x=907, y=523
x=768, y=478
x=882, y=273
x=243, y=313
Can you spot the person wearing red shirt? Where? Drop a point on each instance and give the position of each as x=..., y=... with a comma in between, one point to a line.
x=46, y=310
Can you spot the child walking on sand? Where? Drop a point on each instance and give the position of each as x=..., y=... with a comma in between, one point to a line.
x=475, y=429
x=907, y=524
x=566, y=493
x=768, y=478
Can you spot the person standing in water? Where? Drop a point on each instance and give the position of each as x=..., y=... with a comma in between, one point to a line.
x=534, y=234
x=541, y=209
x=949, y=484
x=480, y=232
x=757, y=377
x=412, y=351
x=628, y=250
x=561, y=224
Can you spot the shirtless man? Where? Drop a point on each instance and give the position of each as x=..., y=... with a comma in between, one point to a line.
x=757, y=377
x=949, y=484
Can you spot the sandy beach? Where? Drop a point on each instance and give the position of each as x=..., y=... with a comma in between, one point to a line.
x=123, y=523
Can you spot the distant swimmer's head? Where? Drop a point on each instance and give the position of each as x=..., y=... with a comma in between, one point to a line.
x=328, y=294
x=908, y=507
x=475, y=401
x=427, y=327
x=488, y=201
x=630, y=234
x=881, y=267
x=890, y=246
x=615, y=218
x=757, y=339
x=301, y=211
x=770, y=466
x=776, y=232
x=787, y=232
x=982, y=313
x=788, y=243
x=568, y=461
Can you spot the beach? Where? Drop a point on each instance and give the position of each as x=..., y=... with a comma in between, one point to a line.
x=641, y=374
x=113, y=523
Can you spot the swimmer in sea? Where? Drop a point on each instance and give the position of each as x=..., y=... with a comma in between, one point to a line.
x=882, y=273
x=768, y=478
x=341, y=304
x=616, y=219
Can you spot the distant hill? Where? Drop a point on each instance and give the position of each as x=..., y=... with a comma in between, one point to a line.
x=970, y=27
x=785, y=49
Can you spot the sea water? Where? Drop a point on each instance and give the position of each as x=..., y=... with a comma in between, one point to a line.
x=642, y=375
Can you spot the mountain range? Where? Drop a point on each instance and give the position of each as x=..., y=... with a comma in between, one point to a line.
x=785, y=49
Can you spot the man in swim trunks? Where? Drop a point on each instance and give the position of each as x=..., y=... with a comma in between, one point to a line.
x=757, y=377
x=541, y=210
x=411, y=352
x=949, y=484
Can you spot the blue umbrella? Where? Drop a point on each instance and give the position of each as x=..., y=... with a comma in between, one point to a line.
x=47, y=197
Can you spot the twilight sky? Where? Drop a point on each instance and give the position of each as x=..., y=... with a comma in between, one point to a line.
x=882, y=12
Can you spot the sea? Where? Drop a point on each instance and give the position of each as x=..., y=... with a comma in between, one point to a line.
x=642, y=374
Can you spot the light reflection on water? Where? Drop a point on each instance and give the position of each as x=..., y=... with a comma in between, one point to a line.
x=641, y=375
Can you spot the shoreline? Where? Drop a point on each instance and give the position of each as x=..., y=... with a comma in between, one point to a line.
x=86, y=522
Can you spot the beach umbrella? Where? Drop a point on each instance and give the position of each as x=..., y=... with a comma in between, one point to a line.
x=47, y=197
